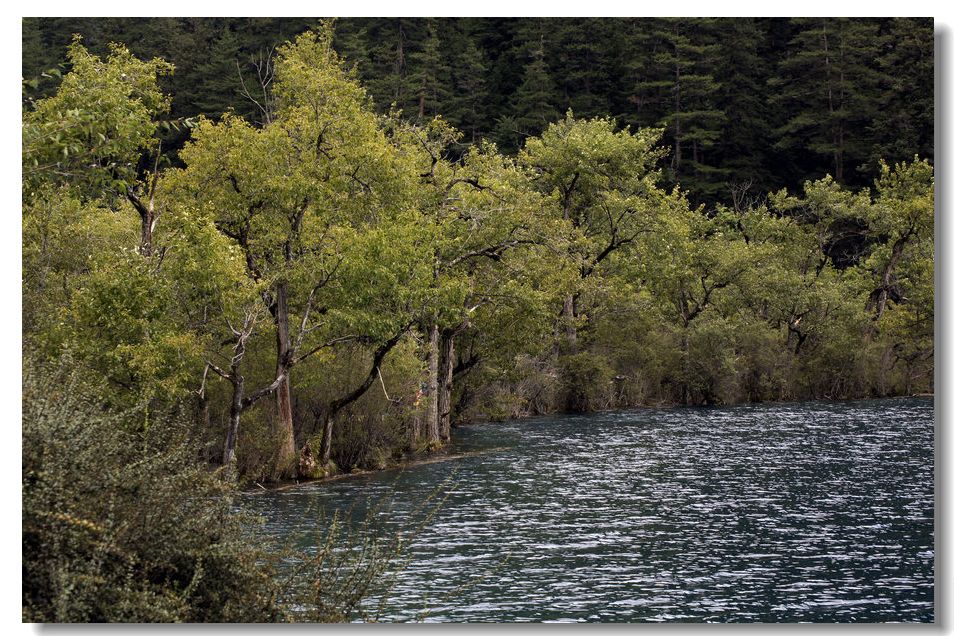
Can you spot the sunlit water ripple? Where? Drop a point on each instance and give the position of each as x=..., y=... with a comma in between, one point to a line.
x=817, y=511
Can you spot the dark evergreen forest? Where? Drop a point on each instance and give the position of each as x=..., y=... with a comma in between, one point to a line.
x=749, y=105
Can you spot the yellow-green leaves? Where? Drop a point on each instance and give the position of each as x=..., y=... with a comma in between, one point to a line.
x=91, y=133
x=905, y=198
x=318, y=200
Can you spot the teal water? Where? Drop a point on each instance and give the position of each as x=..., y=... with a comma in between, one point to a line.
x=817, y=511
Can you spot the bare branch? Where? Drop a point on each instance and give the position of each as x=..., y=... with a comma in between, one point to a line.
x=265, y=68
x=326, y=345
x=265, y=391
x=205, y=375
x=494, y=252
x=379, y=354
x=219, y=371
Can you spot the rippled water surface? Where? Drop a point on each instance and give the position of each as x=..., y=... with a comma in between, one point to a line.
x=807, y=512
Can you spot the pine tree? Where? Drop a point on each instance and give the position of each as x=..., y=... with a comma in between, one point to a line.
x=581, y=54
x=32, y=38
x=504, y=50
x=219, y=77
x=351, y=42
x=639, y=104
x=533, y=104
x=679, y=88
x=744, y=151
x=391, y=51
x=828, y=87
x=429, y=78
x=466, y=106
x=720, y=87
x=903, y=124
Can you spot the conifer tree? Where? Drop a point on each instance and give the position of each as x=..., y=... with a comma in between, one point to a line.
x=32, y=60
x=219, y=74
x=640, y=107
x=466, y=103
x=429, y=78
x=581, y=53
x=903, y=124
x=743, y=152
x=828, y=86
x=680, y=80
x=533, y=103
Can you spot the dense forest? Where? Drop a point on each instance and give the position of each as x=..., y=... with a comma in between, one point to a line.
x=748, y=105
x=291, y=254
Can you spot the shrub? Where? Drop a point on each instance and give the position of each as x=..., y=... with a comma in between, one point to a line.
x=120, y=523
x=587, y=381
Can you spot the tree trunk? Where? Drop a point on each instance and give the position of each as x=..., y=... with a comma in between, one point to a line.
x=145, y=241
x=879, y=298
x=569, y=315
x=287, y=459
x=415, y=426
x=896, y=251
x=838, y=152
x=432, y=421
x=147, y=218
x=327, y=415
x=205, y=415
x=327, y=428
x=445, y=382
x=802, y=337
x=399, y=65
x=887, y=363
x=677, y=153
x=684, y=348
x=235, y=415
x=836, y=146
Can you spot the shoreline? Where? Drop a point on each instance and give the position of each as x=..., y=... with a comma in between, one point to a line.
x=442, y=455
x=257, y=487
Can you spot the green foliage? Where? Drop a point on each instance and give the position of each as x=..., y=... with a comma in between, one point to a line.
x=734, y=94
x=533, y=100
x=108, y=534
x=431, y=77
x=680, y=89
x=221, y=70
x=119, y=326
x=742, y=153
x=588, y=381
x=392, y=274
x=315, y=194
x=601, y=182
x=120, y=524
x=369, y=224
x=63, y=239
x=902, y=125
x=826, y=86
x=91, y=133
x=87, y=289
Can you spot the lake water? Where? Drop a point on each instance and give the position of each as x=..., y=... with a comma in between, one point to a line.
x=819, y=511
